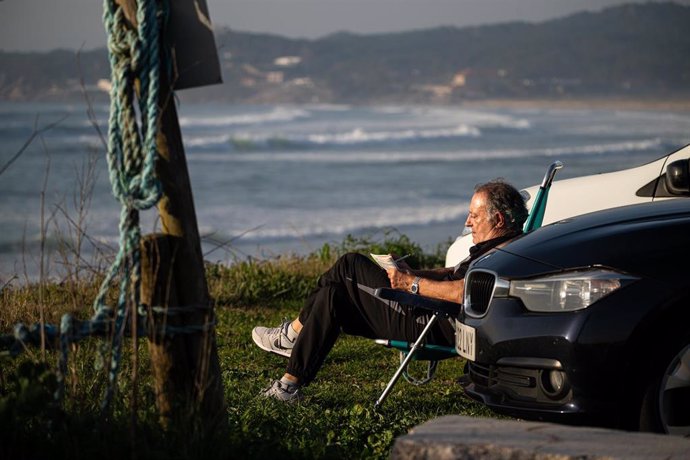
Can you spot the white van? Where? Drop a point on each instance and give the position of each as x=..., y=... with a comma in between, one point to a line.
x=580, y=195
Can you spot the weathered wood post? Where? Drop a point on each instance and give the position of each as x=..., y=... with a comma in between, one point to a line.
x=185, y=365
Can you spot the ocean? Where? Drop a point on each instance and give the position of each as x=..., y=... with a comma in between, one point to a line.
x=280, y=179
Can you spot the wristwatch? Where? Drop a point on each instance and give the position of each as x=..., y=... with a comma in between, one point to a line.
x=414, y=289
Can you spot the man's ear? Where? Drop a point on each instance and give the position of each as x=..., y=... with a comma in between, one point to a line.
x=500, y=220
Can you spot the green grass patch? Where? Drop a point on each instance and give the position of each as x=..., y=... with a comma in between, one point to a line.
x=337, y=418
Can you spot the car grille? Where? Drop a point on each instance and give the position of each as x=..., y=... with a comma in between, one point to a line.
x=488, y=376
x=515, y=386
x=479, y=287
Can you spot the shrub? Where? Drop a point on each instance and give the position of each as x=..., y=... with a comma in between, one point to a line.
x=289, y=279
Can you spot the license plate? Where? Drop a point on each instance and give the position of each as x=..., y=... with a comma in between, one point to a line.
x=465, y=340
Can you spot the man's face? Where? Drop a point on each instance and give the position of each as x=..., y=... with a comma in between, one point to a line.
x=479, y=220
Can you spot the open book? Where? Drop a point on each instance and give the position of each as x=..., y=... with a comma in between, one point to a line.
x=386, y=261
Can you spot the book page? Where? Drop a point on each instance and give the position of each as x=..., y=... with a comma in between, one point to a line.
x=385, y=261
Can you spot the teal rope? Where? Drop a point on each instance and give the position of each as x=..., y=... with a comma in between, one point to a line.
x=131, y=157
x=72, y=331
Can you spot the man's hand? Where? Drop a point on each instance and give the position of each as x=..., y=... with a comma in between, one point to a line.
x=399, y=280
x=451, y=291
x=401, y=262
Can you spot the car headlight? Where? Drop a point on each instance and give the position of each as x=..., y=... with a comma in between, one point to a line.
x=569, y=291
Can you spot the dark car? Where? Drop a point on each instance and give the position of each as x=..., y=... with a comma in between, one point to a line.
x=586, y=320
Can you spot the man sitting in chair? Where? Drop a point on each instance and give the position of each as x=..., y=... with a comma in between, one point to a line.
x=343, y=299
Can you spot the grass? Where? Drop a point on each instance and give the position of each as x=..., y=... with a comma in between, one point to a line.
x=337, y=419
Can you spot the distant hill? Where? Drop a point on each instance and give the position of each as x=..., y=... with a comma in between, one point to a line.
x=635, y=51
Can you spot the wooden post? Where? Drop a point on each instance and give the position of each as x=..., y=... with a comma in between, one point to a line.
x=192, y=359
x=158, y=289
x=185, y=366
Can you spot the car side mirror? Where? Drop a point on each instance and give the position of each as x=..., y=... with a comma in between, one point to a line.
x=678, y=177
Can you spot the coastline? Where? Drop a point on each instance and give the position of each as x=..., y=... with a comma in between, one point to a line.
x=651, y=104
x=678, y=104
x=277, y=179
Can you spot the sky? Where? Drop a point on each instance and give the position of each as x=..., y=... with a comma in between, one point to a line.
x=42, y=25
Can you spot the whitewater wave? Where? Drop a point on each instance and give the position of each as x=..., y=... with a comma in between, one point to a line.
x=356, y=136
x=425, y=156
x=478, y=118
x=207, y=141
x=256, y=225
x=603, y=148
x=361, y=136
x=278, y=114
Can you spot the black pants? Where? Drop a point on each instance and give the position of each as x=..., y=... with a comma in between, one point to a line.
x=342, y=301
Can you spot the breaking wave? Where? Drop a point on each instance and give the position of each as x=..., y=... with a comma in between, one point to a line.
x=356, y=136
x=426, y=156
x=303, y=223
x=278, y=114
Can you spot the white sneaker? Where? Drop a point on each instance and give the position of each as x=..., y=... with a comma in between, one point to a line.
x=282, y=392
x=274, y=339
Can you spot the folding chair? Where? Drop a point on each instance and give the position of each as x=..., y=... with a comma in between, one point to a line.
x=444, y=309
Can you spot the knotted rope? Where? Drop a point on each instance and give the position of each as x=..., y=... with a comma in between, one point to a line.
x=132, y=150
x=131, y=156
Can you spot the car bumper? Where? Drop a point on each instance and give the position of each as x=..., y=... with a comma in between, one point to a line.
x=533, y=366
x=519, y=392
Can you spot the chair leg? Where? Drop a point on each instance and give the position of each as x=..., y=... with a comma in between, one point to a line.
x=406, y=361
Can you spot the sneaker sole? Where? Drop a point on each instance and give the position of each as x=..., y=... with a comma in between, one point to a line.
x=279, y=352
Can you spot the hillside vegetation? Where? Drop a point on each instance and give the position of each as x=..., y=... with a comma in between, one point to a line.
x=633, y=51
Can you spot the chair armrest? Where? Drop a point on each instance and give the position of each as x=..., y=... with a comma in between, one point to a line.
x=451, y=309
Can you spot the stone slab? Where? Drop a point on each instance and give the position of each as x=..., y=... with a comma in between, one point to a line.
x=461, y=437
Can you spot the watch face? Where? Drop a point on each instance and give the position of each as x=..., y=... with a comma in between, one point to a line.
x=415, y=286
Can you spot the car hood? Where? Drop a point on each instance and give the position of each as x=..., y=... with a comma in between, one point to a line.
x=651, y=239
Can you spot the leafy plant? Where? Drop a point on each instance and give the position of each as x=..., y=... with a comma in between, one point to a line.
x=27, y=405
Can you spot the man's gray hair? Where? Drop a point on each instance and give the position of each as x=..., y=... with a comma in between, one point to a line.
x=506, y=200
